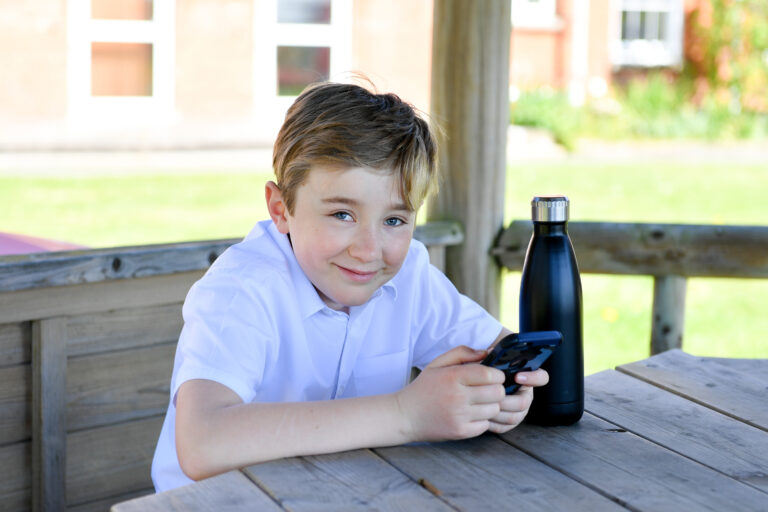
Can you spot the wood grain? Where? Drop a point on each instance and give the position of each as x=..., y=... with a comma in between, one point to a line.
x=16, y=477
x=470, y=83
x=93, y=297
x=49, y=374
x=110, y=461
x=118, y=386
x=487, y=474
x=729, y=391
x=123, y=329
x=15, y=404
x=652, y=249
x=633, y=471
x=15, y=344
x=668, y=313
x=341, y=481
x=706, y=436
x=230, y=492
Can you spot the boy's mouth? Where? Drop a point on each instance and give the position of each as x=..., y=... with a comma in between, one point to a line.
x=357, y=275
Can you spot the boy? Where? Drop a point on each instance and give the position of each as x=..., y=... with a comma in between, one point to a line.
x=300, y=339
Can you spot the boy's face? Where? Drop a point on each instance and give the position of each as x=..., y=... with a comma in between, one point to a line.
x=350, y=232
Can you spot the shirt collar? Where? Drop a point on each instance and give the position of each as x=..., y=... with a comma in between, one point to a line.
x=308, y=299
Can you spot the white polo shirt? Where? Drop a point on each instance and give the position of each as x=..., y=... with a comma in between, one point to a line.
x=256, y=324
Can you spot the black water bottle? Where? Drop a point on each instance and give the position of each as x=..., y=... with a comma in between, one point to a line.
x=550, y=300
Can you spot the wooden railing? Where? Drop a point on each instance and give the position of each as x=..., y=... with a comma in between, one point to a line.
x=670, y=253
x=87, y=340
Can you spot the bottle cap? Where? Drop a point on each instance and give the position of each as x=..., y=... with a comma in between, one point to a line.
x=550, y=209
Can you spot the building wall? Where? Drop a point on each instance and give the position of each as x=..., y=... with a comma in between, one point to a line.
x=33, y=44
x=392, y=45
x=214, y=60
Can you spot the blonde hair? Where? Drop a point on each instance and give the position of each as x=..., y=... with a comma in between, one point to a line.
x=345, y=126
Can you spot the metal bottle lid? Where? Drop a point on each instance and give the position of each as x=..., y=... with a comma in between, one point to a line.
x=550, y=209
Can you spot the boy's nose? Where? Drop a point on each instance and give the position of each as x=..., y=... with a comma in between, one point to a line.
x=366, y=245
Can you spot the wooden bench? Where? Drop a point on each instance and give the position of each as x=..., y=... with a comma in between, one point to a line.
x=87, y=341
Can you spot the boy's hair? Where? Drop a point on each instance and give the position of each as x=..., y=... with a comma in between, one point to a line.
x=345, y=126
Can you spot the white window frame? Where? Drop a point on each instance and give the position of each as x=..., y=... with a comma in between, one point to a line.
x=153, y=111
x=642, y=52
x=536, y=14
x=269, y=106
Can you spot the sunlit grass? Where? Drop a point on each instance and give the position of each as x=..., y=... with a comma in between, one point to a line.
x=724, y=317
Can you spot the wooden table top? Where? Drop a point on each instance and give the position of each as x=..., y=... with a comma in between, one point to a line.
x=671, y=432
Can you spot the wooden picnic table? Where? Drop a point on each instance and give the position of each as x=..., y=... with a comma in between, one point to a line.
x=671, y=432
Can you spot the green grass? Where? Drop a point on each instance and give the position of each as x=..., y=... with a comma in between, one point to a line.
x=724, y=317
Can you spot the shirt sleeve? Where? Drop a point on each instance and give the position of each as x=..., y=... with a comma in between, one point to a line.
x=448, y=318
x=226, y=337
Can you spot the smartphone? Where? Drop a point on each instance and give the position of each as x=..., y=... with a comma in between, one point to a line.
x=522, y=352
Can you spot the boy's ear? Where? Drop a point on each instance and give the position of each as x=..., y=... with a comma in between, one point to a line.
x=276, y=207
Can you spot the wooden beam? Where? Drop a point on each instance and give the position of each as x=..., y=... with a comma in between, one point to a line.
x=470, y=82
x=49, y=370
x=686, y=250
x=668, y=318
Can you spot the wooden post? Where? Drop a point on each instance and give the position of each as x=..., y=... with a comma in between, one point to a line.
x=49, y=394
x=668, y=313
x=470, y=89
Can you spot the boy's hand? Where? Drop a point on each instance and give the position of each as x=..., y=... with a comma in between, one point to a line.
x=452, y=400
x=515, y=407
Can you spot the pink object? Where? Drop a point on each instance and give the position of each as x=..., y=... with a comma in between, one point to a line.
x=12, y=243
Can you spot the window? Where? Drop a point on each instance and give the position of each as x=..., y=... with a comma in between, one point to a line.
x=298, y=42
x=121, y=62
x=650, y=33
x=537, y=14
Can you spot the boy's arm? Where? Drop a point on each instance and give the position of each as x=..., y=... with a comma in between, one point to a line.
x=216, y=431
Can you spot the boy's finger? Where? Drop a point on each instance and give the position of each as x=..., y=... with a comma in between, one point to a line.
x=479, y=375
x=457, y=355
x=538, y=378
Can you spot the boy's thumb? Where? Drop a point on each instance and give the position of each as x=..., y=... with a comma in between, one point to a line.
x=457, y=355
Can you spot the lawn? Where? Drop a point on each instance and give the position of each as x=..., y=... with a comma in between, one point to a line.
x=724, y=316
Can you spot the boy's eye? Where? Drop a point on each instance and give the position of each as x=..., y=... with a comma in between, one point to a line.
x=394, y=221
x=342, y=216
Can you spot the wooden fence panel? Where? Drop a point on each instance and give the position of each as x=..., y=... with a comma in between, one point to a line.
x=15, y=404
x=119, y=386
x=15, y=344
x=16, y=477
x=123, y=329
x=109, y=461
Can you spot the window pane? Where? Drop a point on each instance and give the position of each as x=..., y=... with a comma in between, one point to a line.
x=304, y=11
x=121, y=69
x=299, y=66
x=121, y=9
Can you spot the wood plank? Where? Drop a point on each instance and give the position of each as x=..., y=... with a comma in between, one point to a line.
x=706, y=436
x=652, y=249
x=470, y=97
x=229, y=492
x=16, y=477
x=15, y=404
x=355, y=479
x=754, y=367
x=732, y=392
x=107, y=503
x=49, y=377
x=61, y=268
x=92, y=297
x=123, y=329
x=668, y=313
x=118, y=386
x=15, y=344
x=108, y=461
x=638, y=474
x=485, y=473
